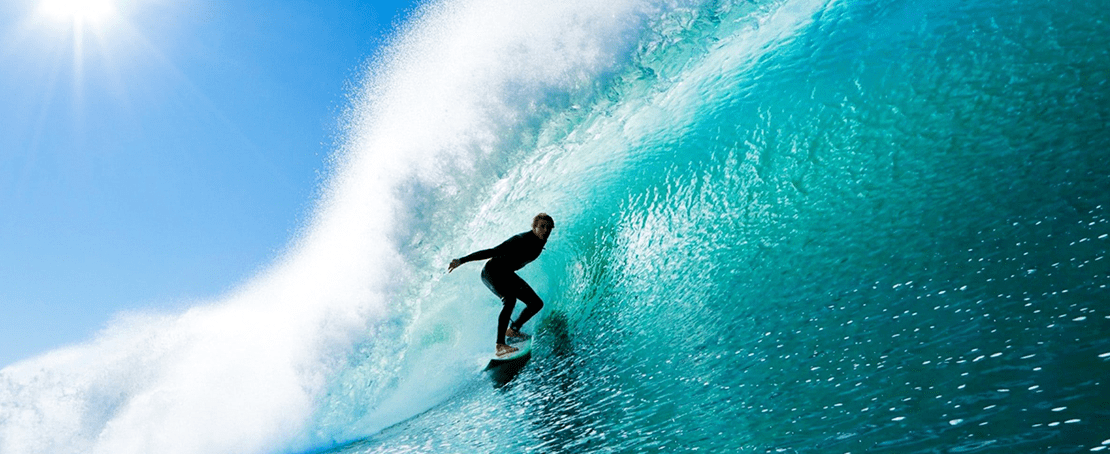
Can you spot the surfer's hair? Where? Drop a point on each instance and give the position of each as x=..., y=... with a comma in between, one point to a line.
x=542, y=217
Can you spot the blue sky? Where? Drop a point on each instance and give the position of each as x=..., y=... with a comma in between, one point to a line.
x=161, y=152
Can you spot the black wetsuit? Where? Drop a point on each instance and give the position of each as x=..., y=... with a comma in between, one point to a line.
x=499, y=275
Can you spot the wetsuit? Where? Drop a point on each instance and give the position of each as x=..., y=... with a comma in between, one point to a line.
x=499, y=275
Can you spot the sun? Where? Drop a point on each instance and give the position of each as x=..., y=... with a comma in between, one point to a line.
x=80, y=11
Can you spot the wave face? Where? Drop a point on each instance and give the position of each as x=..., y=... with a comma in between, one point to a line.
x=787, y=225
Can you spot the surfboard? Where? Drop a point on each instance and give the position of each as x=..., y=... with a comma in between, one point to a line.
x=523, y=353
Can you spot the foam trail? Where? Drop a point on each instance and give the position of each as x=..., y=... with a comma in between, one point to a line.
x=245, y=374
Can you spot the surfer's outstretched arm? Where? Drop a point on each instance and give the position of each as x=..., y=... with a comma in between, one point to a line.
x=480, y=255
x=501, y=249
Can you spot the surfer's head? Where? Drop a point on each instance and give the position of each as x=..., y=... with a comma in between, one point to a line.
x=542, y=225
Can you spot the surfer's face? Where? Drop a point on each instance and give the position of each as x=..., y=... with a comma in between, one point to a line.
x=542, y=229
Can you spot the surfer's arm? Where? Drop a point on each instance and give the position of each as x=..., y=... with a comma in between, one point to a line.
x=483, y=254
x=480, y=255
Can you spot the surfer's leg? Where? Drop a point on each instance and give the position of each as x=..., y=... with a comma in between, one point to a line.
x=503, y=319
x=501, y=286
x=530, y=299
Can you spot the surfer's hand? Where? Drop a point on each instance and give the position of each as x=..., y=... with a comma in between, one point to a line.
x=454, y=264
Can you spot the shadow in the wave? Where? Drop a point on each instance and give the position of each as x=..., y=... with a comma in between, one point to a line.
x=555, y=392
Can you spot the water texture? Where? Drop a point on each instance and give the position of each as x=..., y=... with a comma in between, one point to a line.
x=781, y=226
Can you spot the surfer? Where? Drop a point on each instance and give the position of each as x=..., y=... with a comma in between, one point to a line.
x=500, y=276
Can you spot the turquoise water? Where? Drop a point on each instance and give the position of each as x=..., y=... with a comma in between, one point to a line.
x=882, y=230
x=781, y=226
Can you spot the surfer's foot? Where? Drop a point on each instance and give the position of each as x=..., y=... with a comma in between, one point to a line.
x=503, y=350
x=516, y=335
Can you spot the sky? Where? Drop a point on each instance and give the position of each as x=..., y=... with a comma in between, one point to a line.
x=158, y=153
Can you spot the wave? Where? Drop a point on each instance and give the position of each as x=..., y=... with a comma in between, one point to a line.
x=791, y=225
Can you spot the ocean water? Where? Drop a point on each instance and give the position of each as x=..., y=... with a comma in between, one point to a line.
x=781, y=226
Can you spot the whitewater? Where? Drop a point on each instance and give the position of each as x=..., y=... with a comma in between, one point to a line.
x=781, y=226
